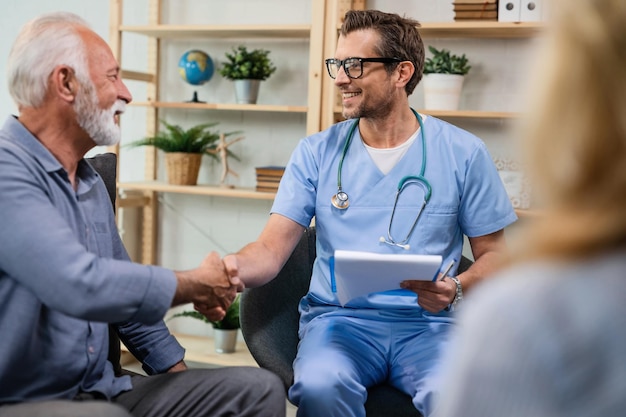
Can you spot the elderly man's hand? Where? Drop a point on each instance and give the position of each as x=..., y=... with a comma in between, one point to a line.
x=208, y=287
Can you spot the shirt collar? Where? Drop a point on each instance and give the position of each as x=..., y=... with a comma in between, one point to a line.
x=21, y=137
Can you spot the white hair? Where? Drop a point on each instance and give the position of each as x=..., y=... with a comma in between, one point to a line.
x=44, y=43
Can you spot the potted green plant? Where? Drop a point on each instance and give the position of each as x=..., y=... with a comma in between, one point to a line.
x=225, y=330
x=184, y=149
x=444, y=73
x=247, y=69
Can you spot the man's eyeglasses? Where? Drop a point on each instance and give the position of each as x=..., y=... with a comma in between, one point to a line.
x=353, y=67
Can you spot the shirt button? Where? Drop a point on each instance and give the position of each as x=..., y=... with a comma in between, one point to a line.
x=91, y=349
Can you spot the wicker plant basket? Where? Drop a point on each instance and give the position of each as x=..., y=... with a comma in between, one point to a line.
x=183, y=168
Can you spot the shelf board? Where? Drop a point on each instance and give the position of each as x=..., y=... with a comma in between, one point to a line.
x=132, y=201
x=221, y=106
x=200, y=349
x=470, y=114
x=461, y=114
x=478, y=29
x=208, y=190
x=527, y=213
x=219, y=31
x=250, y=193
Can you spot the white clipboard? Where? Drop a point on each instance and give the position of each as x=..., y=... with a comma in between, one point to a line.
x=356, y=274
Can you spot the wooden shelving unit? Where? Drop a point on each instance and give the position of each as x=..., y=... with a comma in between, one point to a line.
x=479, y=29
x=207, y=190
x=144, y=194
x=462, y=114
x=321, y=109
x=331, y=112
x=220, y=31
x=527, y=214
x=470, y=114
x=221, y=106
x=470, y=29
x=213, y=190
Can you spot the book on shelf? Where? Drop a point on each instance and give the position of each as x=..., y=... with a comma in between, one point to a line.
x=475, y=10
x=271, y=170
x=473, y=19
x=267, y=184
x=268, y=178
x=475, y=2
x=266, y=189
x=460, y=7
x=478, y=15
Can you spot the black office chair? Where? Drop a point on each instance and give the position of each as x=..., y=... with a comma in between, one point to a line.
x=269, y=324
x=106, y=166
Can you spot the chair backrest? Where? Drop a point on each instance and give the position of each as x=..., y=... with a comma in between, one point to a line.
x=269, y=314
x=269, y=324
x=106, y=166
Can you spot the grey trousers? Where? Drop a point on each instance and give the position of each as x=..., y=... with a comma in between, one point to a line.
x=235, y=391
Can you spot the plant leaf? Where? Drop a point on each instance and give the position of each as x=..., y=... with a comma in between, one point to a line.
x=197, y=139
x=444, y=62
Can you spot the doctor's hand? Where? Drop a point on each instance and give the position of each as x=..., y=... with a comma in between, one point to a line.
x=217, y=313
x=432, y=296
x=232, y=269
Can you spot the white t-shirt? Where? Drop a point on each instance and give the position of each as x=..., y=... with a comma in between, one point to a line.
x=386, y=159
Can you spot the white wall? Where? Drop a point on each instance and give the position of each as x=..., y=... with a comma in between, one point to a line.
x=17, y=12
x=191, y=226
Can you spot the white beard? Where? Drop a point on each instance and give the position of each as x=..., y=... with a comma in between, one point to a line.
x=99, y=124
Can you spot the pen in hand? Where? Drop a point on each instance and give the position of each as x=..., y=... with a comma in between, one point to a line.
x=448, y=269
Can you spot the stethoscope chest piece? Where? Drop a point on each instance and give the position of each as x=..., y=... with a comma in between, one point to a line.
x=340, y=200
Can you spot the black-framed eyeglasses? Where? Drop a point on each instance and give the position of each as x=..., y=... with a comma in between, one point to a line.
x=353, y=66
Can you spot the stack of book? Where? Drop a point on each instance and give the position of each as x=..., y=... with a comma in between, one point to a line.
x=268, y=178
x=475, y=10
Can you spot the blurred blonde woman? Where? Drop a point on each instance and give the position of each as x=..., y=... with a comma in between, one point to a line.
x=548, y=337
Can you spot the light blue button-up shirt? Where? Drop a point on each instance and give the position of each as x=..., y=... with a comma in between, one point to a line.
x=64, y=275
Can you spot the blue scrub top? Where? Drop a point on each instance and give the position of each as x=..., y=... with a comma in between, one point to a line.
x=468, y=198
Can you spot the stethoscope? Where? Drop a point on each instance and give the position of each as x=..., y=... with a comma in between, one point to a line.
x=341, y=200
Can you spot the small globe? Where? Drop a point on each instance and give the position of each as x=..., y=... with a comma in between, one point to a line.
x=196, y=67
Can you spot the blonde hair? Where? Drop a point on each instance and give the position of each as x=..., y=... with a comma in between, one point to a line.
x=576, y=134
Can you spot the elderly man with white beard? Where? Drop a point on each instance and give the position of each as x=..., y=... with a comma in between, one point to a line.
x=64, y=272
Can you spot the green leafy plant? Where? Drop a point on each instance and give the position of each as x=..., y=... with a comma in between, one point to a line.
x=196, y=139
x=242, y=64
x=444, y=62
x=229, y=322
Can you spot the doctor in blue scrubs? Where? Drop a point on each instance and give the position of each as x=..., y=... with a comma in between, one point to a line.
x=387, y=180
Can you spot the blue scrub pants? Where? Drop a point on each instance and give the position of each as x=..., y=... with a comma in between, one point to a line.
x=340, y=356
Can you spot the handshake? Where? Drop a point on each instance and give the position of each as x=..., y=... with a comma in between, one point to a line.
x=209, y=287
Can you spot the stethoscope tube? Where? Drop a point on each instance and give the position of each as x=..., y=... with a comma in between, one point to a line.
x=341, y=200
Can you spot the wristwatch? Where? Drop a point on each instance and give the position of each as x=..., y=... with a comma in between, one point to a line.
x=459, y=292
